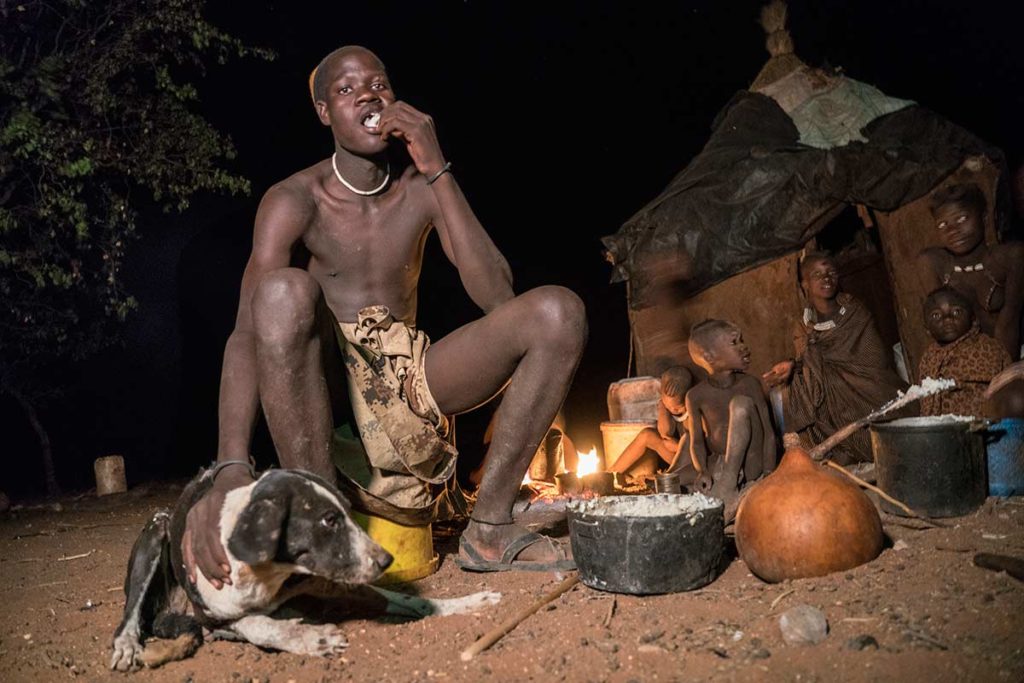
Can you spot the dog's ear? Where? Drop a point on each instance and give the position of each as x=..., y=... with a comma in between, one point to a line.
x=258, y=531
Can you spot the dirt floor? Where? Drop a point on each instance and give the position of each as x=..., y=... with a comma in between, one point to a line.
x=920, y=612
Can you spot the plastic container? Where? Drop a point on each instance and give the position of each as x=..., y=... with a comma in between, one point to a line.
x=642, y=545
x=617, y=434
x=411, y=546
x=935, y=465
x=1005, y=447
x=635, y=398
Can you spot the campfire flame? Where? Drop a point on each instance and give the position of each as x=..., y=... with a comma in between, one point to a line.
x=587, y=462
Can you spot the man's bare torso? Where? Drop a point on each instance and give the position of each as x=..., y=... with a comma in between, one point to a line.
x=363, y=251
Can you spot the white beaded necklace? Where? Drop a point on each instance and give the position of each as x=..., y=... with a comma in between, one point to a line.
x=969, y=269
x=364, y=193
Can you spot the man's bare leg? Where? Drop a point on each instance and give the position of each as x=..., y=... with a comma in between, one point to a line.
x=289, y=317
x=536, y=340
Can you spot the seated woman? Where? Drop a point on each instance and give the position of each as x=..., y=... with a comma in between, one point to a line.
x=991, y=276
x=842, y=370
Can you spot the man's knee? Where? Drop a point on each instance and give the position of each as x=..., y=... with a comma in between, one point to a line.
x=559, y=314
x=284, y=307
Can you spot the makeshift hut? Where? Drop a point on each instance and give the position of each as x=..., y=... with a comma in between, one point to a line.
x=804, y=157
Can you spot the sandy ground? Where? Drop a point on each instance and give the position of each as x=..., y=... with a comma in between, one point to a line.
x=934, y=616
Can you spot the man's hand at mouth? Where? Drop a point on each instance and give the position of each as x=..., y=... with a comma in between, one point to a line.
x=403, y=122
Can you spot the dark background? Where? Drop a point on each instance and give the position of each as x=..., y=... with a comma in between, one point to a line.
x=561, y=119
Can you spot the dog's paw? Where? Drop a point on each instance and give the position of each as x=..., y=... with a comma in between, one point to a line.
x=465, y=605
x=321, y=640
x=127, y=651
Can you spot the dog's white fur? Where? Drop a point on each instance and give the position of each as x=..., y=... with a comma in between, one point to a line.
x=256, y=591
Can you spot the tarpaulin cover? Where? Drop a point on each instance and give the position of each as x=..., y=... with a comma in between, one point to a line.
x=754, y=192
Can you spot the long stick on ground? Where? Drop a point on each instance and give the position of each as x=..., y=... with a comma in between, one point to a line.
x=495, y=634
x=902, y=506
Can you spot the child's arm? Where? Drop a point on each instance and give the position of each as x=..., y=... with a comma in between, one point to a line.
x=666, y=425
x=682, y=456
x=771, y=452
x=695, y=427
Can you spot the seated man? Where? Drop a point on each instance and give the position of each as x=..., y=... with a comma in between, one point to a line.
x=731, y=435
x=357, y=222
x=962, y=352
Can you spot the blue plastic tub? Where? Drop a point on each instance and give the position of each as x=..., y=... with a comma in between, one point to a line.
x=1005, y=449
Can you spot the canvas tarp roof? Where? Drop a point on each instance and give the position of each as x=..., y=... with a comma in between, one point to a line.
x=755, y=193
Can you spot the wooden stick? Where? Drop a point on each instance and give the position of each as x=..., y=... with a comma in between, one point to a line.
x=611, y=613
x=1014, y=566
x=65, y=558
x=886, y=496
x=495, y=634
x=822, y=449
x=779, y=598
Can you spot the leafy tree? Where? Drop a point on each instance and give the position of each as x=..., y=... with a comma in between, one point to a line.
x=97, y=124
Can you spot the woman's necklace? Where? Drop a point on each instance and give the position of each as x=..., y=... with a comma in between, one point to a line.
x=364, y=193
x=811, y=316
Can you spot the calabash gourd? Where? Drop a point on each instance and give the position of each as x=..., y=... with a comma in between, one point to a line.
x=802, y=520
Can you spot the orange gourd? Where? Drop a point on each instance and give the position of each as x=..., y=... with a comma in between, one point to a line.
x=802, y=520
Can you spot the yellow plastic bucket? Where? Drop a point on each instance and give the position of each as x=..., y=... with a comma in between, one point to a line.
x=411, y=546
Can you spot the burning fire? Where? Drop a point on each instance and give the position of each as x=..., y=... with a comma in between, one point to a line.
x=587, y=462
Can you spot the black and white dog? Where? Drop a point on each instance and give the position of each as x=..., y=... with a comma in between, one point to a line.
x=288, y=534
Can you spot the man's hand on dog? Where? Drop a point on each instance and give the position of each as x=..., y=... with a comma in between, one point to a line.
x=200, y=544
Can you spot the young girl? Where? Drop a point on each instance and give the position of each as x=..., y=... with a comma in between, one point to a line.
x=961, y=352
x=671, y=430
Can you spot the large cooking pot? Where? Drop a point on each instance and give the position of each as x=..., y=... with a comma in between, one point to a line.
x=662, y=543
x=936, y=465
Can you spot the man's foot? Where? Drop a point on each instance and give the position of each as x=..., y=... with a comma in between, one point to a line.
x=509, y=547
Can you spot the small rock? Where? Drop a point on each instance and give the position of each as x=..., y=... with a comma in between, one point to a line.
x=803, y=625
x=649, y=649
x=650, y=636
x=900, y=545
x=862, y=642
x=760, y=653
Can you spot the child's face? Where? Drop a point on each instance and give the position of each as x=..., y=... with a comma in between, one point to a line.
x=821, y=280
x=674, y=404
x=947, y=319
x=960, y=227
x=729, y=353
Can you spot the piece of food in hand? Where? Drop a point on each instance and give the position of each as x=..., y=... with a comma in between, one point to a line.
x=372, y=121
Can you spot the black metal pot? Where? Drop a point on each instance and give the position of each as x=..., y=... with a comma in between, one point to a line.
x=619, y=551
x=936, y=465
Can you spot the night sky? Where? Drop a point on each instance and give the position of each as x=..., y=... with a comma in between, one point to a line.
x=561, y=119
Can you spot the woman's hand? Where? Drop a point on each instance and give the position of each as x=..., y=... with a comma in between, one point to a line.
x=780, y=373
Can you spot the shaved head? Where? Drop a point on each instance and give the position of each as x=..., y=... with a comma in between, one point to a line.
x=319, y=80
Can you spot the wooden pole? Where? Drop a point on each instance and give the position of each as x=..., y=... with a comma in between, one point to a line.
x=495, y=634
